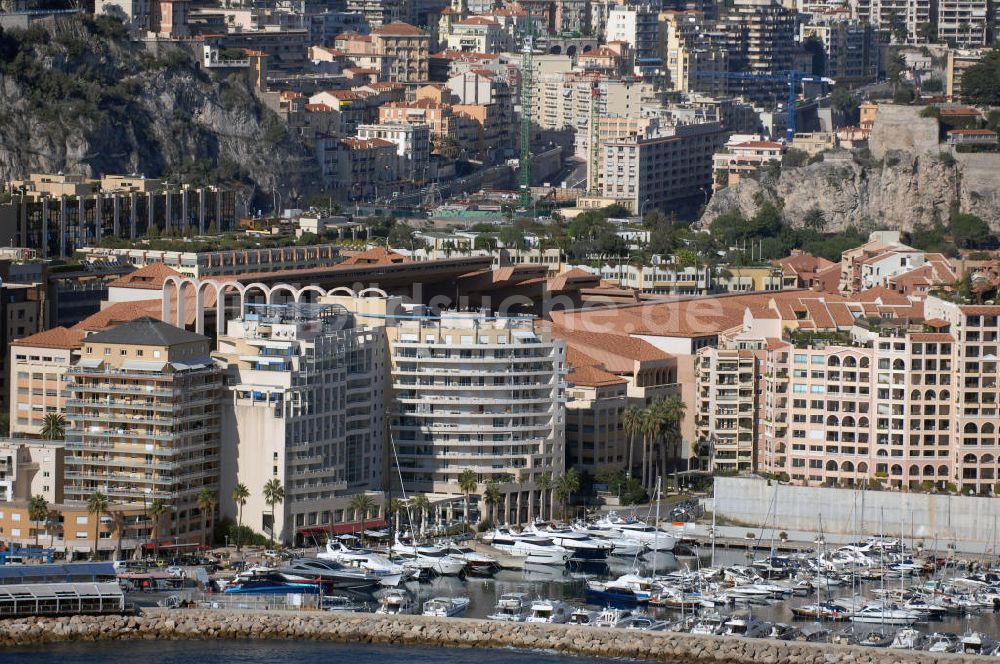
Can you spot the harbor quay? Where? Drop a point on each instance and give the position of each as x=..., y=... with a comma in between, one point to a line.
x=174, y=624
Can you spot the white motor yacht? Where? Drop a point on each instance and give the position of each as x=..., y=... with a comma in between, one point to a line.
x=583, y=617
x=746, y=626
x=611, y=617
x=446, y=607
x=434, y=558
x=884, y=615
x=535, y=549
x=390, y=574
x=511, y=607
x=709, y=623
x=655, y=538
x=396, y=602
x=549, y=611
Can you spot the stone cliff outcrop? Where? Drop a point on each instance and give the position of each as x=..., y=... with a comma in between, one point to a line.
x=77, y=97
x=903, y=190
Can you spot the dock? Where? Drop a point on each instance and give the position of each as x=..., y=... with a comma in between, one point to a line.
x=505, y=560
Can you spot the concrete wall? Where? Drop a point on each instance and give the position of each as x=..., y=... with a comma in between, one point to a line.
x=939, y=518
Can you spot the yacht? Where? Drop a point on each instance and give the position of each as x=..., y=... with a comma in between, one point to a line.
x=549, y=611
x=975, y=643
x=446, y=607
x=434, y=558
x=581, y=546
x=907, y=639
x=511, y=607
x=330, y=574
x=883, y=615
x=628, y=588
x=475, y=562
x=643, y=622
x=709, y=623
x=583, y=617
x=534, y=549
x=747, y=626
x=390, y=574
x=942, y=642
x=396, y=602
x=626, y=548
x=654, y=538
x=269, y=583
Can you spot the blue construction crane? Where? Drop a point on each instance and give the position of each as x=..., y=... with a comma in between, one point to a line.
x=792, y=78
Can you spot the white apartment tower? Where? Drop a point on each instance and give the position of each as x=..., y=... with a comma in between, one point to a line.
x=477, y=392
x=303, y=404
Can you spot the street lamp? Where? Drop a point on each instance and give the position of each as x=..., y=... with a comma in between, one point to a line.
x=642, y=206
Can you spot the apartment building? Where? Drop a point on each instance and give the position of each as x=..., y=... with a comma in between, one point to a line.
x=409, y=50
x=963, y=23
x=761, y=40
x=473, y=391
x=303, y=404
x=143, y=421
x=901, y=20
x=364, y=168
x=741, y=159
x=199, y=264
x=693, y=51
x=38, y=376
x=477, y=34
x=596, y=401
x=636, y=25
x=20, y=316
x=31, y=468
x=71, y=528
x=727, y=408
x=958, y=62
x=413, y=147
x=851, y=47
x=662, y=278
x=660, y=165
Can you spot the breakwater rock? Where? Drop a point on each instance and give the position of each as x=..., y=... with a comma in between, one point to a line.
x=447, y=632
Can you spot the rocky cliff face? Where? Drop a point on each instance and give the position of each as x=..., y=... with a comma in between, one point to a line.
x=901, y=191
x=76, y=97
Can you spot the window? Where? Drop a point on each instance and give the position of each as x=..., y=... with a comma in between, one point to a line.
x=15, y=516
x=800, y=359
x=82, y=520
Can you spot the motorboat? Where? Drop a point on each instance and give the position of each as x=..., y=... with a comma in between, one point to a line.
x=884, y=615
x=446, y=607
x=390, y=574
x=653, y=537
x=873, y=638
x=533, y=548
x=746, y=626
x=341, y=604
x=581, y=546
x=976, y=643
x=475, y=562
x=626, y=548
x=942, y=642
x=511, y=607
x=907, y=639
x=396, y=602
x=710, y=623
x=269, y=582
x=549, y=611
x=643, y=622
x=433, y=558
x=833, y=611
x=784, y=632
x=331, y=575
x=626, y=589
x=583, y=617
x=611, y=617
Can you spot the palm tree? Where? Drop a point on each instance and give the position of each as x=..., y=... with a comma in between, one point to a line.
x=467, y=483
x=240, y=496
x=38, y=511
x=156, y=510
x=362, y=504
x=97, y=504
x=422, y=505
x=118, y=522
x=632, y=423
x=274, y=493
x=54, y=427
x=672, y=410
x=396, y=507
x=566, y=486
x=206, y=503
x=544, y=486
x=492, y=498
x=652, y=427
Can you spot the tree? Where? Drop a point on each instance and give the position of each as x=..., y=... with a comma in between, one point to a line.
x=396, y=507
x=567, y=484
x=38, y=511
x=467, y=483
x=685, y=258
x=903, y=95
x=487, y=243
x=206, y=503
x=544, y=483
x=241, y=494
x=632, y=424
x=981, y=81
x=842, y=100
x=97, y=504
x=274, y=493
x=362, y=504
x=422, y=505
x=652, y=427
x=932, y=85
x=492, y=497
x=672, y=412
x=969, y=231
x=118, y=522
x=54, y=426
x=814, y=220
x=512, y=237
x=895, y=67
x=156, y=510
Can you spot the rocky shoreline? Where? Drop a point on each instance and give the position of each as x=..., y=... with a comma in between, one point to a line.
x=167, y=624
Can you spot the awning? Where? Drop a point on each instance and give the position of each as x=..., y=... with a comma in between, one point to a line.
x=170, y=546
x=89, y=363
x=142, y=365
x=340, y=528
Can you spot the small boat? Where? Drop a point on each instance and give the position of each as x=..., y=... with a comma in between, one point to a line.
x=907, y=639
x=941, y=642
x=511, y=607
x=746, y=626
x=976, y=643
x=269, y=583
x=626, y=589
x=832, y=611
x=643, y=622
x=390, y=574
x=583, y=617
x=446, y=607
x=332, y=575
x=710, y=623
x=784, y=632
x=611, y=617
x=341, y=604
x=475, y=562
x=873, y=638
x=549, y=611
x=396, y=602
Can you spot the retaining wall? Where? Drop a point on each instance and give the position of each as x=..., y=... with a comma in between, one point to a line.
x=448, y=632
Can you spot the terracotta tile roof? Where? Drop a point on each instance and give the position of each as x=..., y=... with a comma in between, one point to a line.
x=122, y=312
x=981, y=310
x=318, y=108
x=149, y=277
x=376, y=256
x=477, y=20
x=936, y=323
x=592, y=376
x=931, y=336
x=399, y=29
x=561, y=281
x=620, y=345
x=57, y=337
x=882, y=294
x=366, y=143
x=972, y=132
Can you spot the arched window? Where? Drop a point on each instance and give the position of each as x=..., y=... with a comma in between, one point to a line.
x=831, y=421
x=831, y=465
x=914, y=471
x=865, y=363
x=915, y=395
x=834, y=361
x=850, y=361
x=942, y=471
x=987, y=427
x=862, y=468
x=898, y=365
x=930, y=394
x=848, y=421
x=897, y=469
x=847, y=467
x=970, y=427
x=929, y=470
x=969, y=458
